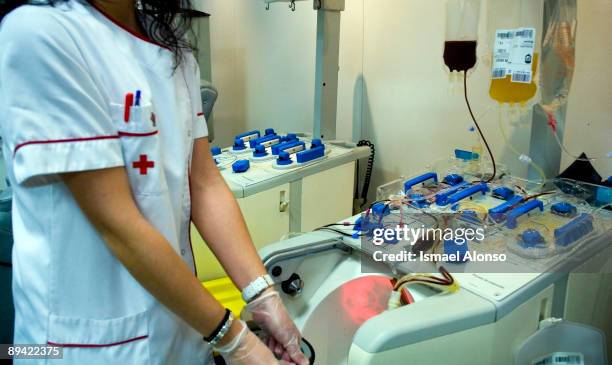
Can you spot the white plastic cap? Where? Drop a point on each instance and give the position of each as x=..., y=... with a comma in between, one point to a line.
x=525, y=159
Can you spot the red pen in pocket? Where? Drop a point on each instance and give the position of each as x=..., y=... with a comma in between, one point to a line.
x=129, y=101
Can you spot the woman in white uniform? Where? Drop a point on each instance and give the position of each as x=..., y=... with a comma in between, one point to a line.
x=104, y=140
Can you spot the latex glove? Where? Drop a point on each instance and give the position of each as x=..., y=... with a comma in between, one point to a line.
x=247, y=349
x=269, y=312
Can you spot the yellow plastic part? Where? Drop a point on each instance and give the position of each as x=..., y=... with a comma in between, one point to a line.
x=506, y=91
x=226, y=293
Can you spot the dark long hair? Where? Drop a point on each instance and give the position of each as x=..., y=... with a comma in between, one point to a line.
x=168, y=21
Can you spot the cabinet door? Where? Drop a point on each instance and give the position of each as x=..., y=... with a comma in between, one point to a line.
x=327, y=197
x=267, y=217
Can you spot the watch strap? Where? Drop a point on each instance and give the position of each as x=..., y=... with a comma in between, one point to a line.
x=256, y=287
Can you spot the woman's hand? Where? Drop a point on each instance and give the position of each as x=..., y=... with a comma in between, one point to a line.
x=269, y=312
x=246, y=349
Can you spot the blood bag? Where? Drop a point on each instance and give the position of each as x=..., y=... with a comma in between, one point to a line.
x=515, y=28
x=461, y=35
x=515, y=32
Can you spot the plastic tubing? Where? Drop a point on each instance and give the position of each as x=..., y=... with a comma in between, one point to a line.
x=516, y=151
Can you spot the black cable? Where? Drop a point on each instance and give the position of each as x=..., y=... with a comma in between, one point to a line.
x=368, y=174
x=467, y=101
x=346, y=234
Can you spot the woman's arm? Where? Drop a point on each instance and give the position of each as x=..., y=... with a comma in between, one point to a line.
x=106, y=199
x=217, y=217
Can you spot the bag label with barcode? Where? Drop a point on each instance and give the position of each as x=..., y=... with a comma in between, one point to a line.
x=513, y=54
x=560, y=358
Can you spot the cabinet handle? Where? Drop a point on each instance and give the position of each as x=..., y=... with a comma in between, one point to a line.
x=283, y=203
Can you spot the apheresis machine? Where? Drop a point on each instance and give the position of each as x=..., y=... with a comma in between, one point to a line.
x=455, y=267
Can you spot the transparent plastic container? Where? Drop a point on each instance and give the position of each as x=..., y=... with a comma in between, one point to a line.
x=564, y=223
x=560, y=342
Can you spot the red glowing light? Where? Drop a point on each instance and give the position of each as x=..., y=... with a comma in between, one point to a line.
x=365, y=297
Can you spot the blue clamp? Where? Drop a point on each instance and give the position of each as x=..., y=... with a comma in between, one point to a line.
x=466, y=155
x=603, y=194
x=441, y=197
x=249, y=136
x=239, y=144
x=260, y=151
x=216, y=151
x=563, y=209
x=465, y=193
x=451, y=247
x=420, y=179
x=284, y=159
x=574, y=230
x=357, y=225
x=503, y=192
x=381, y=209
x=531, y=238
x=270, y=132
x=311, y=154
x=316, y=143
x=390, y=239
x=294, y=145
x=497, y=213
x=241, y=166
x=515, y=213
x=263, y=140
x=453, y=179
x=289, y=137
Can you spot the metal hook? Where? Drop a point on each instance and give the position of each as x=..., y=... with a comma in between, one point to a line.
x=267, y=6
x=292, y=5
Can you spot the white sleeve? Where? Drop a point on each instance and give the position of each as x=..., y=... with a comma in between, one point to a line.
x=200, y=129
x=53, y=116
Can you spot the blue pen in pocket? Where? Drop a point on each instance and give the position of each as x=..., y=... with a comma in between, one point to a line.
x=137, y=103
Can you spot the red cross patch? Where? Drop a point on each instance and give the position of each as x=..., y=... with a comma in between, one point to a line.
x=143, y=164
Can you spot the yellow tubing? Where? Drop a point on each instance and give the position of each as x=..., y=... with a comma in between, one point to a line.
x=516, y=152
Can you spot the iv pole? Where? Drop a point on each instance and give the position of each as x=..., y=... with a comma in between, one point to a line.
x=327, y=64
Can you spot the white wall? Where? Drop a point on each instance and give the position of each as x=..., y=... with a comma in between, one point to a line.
x=589, y=113
x=393, y=88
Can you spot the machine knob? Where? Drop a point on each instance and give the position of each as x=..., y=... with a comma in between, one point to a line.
x=239, y=145
x=241, y=166
x=284, y=159
x=293, y=286
x=215, y=151
x=290, y=137
x=260, y=151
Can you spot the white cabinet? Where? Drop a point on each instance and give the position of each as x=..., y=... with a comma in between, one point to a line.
x=297, y=206
x=267, y=218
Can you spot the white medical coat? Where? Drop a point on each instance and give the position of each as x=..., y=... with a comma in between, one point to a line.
x=64, y=75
